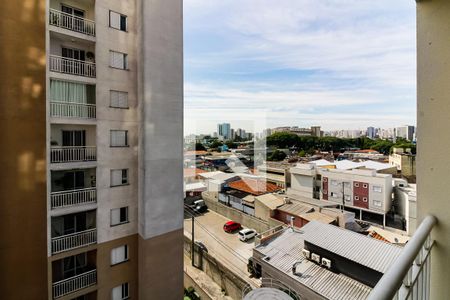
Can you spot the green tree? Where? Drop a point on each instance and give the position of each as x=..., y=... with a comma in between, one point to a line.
x=277, y=155
x=199, y=147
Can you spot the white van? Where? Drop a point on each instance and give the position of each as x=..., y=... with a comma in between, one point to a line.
x=247, y=234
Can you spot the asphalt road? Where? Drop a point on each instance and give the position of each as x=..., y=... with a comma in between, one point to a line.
x=225, y=247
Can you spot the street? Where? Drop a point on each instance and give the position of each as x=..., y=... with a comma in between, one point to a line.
x=225, y=247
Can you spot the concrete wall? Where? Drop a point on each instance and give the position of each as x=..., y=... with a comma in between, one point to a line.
x=230, y=282
x=160, y=92
x=23, y=241
x=235, y=215
x=433, y=111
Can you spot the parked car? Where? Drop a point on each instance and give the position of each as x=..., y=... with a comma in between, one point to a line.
x=247, y=234
x=201, y=246
x=231, y=226
x=199, y=206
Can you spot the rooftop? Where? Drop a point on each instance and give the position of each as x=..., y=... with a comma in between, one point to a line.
x=285, y=250
x=254, y=186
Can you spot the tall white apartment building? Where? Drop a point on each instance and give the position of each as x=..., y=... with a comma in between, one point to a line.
x=106, y=82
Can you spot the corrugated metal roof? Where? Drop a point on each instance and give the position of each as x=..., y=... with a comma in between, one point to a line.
x=296, y=208
x=285, y=250
x=356, y=247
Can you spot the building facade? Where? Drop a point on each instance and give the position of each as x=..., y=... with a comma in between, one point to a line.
x=108, y=91
x=359, y=189
x=224, y=131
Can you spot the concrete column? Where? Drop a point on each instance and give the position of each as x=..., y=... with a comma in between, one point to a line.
x=160, y=90
x=433, y=123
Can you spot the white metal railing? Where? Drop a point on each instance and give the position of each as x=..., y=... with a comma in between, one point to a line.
x=71, y=22
x=409, y=276
x=74, y=240
x=275, y=284
x=75, y=283
x=73, y=197
x=72, y=66
x=72, y=110
x=73, y=154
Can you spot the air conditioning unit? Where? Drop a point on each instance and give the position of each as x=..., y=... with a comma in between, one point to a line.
x=326, y=263
x=306, y=253
x=315, y=257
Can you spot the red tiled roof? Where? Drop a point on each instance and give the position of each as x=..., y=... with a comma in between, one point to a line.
x=192, y=172
x=254, y=186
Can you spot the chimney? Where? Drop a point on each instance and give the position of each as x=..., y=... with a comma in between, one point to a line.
x=286, y=200
x=292, y=222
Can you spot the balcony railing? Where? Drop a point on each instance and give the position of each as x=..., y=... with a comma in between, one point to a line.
x=72, y=110
x=74, y=240
x=72, y=66
x=409, y=276
x=70, y=22
x=73, y=154
x=74, y=283
x=73, y=197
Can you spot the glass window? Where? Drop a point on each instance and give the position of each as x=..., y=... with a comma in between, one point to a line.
x=119, y=216
x=121, y=292
x=118, y=60
x=119, y=138
x=117, y=21
x=119, y=177
x=377, y=189
x=119, y=99
x=119, y=254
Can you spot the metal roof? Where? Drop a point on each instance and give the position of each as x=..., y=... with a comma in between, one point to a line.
x=285, y=250
x=375, y=254
x=296, y=208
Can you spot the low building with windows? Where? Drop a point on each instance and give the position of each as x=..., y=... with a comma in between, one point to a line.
x=322, y=261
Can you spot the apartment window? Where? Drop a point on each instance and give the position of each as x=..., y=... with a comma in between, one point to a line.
x=119, y=138
x=118, y=60
x=356, y=198
x=117, y=21
x=119, y=177
x=365, y=185
x=377, y=189
x=121, y=292
x=356, y=184
x=118, y=255
x=365, y=199
x=377, y=203
x=118, y=99
x=119, y=216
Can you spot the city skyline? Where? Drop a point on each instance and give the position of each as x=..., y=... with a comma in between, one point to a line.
x=296, y=67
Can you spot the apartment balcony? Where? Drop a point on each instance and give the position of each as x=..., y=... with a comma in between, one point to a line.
x=74, y=241
x=74, y=283
x=72, y=66
x=67, y=154
x=71, y=22
x=73, y=197
x=72, y=110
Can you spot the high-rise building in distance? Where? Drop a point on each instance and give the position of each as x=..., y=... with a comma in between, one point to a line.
x=224, y=131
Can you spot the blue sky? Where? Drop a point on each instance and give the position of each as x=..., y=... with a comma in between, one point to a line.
x=342, y=64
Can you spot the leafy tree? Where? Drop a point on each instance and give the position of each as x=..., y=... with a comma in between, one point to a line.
x=200, y=147
x=302, y=153
x=277, y=155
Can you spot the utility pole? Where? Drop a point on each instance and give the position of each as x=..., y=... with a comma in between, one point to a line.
x=343, y=196
x=192, y=241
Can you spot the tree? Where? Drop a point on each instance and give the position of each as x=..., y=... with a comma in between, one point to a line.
x=199, y=147
x=277, y=155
